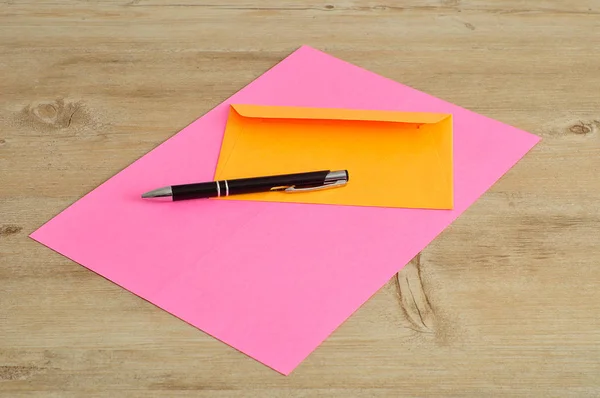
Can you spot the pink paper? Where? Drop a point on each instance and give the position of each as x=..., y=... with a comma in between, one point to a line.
x=272, y=280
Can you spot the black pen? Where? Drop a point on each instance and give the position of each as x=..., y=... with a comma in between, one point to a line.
x=300, y=182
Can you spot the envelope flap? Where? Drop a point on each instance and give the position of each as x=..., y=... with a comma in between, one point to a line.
x=292, y=112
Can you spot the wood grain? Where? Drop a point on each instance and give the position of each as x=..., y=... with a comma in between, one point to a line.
x=505, y=302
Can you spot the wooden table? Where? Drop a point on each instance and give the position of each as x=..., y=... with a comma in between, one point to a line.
x=505, y=302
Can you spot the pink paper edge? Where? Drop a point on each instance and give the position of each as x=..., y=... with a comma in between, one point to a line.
x=286, y=372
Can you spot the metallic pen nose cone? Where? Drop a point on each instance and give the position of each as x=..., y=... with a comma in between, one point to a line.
x=159, y=193
x=335, y=176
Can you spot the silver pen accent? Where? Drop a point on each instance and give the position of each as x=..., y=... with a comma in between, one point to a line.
x=334, y=179
x=336, y=184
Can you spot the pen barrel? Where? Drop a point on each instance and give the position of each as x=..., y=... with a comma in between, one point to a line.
x=264, y=184
x=200, y=190
x=246, y=185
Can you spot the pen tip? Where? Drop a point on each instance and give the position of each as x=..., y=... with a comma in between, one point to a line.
x=165, y=192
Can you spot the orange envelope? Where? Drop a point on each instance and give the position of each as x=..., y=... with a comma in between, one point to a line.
x=394, y=159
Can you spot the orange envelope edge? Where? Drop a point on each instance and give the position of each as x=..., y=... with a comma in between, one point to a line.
x=395, y=159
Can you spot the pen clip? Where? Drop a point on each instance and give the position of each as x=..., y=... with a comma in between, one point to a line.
x=336, y=184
